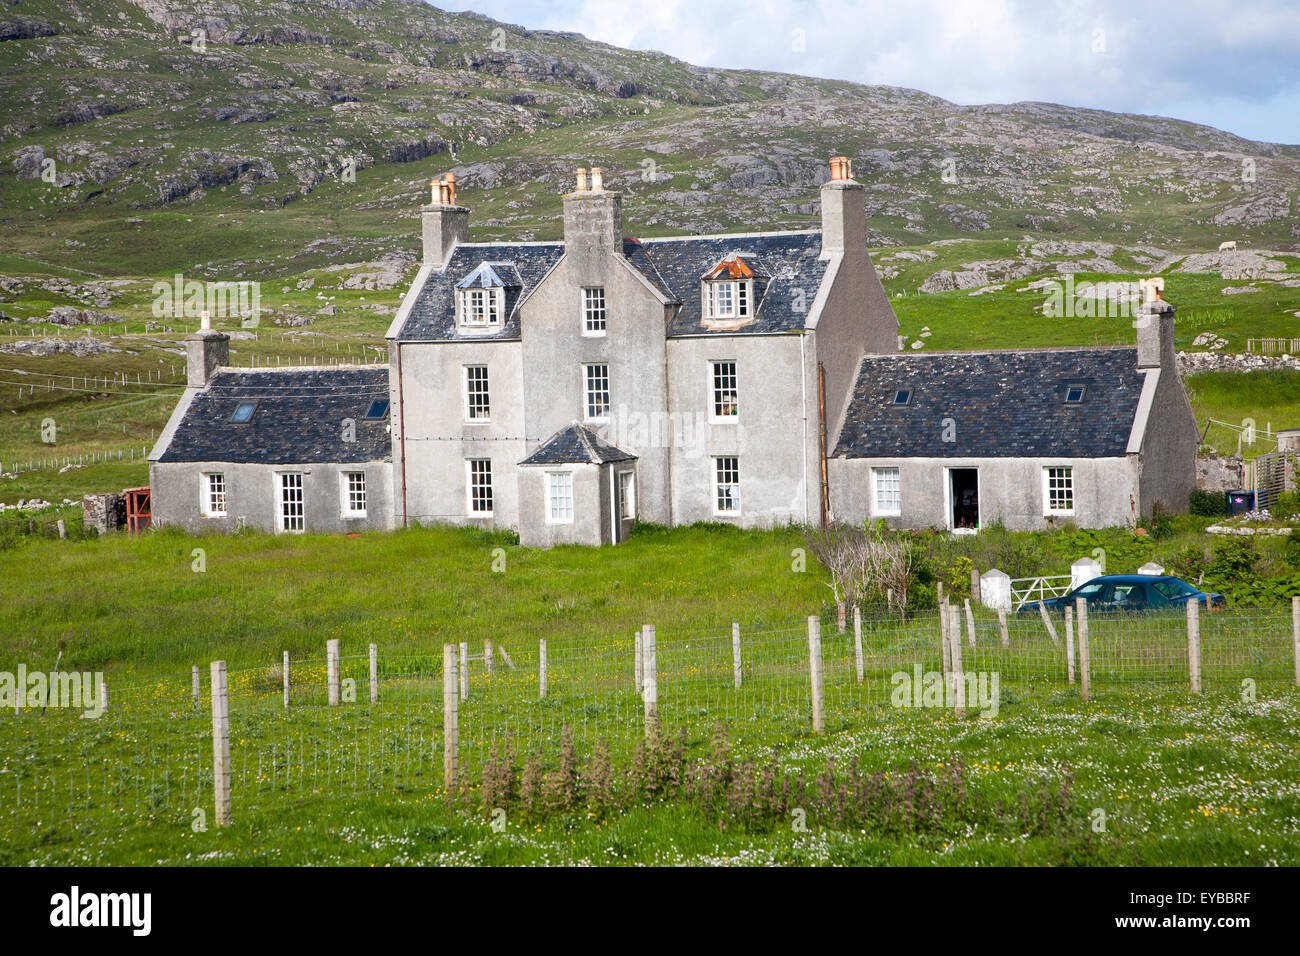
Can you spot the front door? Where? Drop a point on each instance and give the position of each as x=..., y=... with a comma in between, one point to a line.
x=625, y=502
x=964, y=498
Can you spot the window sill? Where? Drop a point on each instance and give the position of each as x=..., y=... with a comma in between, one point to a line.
x=724, y=419
x=594, y=335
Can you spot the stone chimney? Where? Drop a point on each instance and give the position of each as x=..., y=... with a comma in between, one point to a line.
x=593, y=220
x=444, y=223
x=844, y=216
x=1155, y=327
x=205, y=351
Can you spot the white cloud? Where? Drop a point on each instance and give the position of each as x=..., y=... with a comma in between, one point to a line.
x=1163, y=56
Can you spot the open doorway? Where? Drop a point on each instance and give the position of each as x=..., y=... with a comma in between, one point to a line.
x=964, y=496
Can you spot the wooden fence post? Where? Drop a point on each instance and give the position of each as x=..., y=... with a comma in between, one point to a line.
x=541, y=669
x=841, y=617
x=487, y=657
x=857, y=643
x=943, y=639
x=1194, y=644
x=194, y=684
x=284, y=675
x=638, y=666
x=464, y=671
x=220, y=744
x=374, y=674
x=332, y=670
x=450, y=717
x=1051, y=631
x=957, y=676
x=815, y=674
x=103, y=695
x=735, y=653
x=1002, y=627
x=650, y=674
x=1295, y=636
x=1069, y=645
x=970, y=624
x=1085, y=669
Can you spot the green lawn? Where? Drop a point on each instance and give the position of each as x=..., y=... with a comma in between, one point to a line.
x=1181, y=779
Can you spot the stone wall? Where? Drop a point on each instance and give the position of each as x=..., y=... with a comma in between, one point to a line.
x=104, y=513
x=1216, y=472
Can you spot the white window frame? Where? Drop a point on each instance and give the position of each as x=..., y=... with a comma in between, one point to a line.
x=716, y=463
x=282, y=516
x=717, y=391
x=740, y=296
x=595, y=316
x=563, y=480
x=1067, y=488
x=348, y=494
x=208, y=495
x=469, y=395
x=625, y=496
x=587, y=393
x=470, y=485
x=479, y=308
x=885, y=510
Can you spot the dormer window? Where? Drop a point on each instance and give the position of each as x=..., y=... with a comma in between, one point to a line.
x=479, y=308
x=729, y=300
x=731, y=290
x=481, y=296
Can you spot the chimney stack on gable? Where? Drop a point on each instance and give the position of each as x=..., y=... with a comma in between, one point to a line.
x=593, y=220
x=205, y=351
x=844, y=215
x=444, y=224
x=1155, y=326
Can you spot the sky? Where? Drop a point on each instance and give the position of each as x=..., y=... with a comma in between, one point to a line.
x=1232, y=64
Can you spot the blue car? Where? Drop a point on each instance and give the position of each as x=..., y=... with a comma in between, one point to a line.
x=1130, y=593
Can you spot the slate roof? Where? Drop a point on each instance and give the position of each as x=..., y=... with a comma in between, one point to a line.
x=576, y=445
x=298, y=419
x=792, y=260
x=433, y=316
x=1007, y=404
x=673, y=266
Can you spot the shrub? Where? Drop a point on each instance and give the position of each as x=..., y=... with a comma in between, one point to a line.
x=1287, y=506
x=1291, y=548
x=1208, y=504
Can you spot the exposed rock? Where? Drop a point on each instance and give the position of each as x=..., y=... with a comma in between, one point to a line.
x=81, y=348
x=71, y=315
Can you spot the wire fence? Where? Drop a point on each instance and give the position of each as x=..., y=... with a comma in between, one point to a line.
x=380, y=722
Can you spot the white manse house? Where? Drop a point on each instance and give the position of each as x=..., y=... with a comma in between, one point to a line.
x=569, y=389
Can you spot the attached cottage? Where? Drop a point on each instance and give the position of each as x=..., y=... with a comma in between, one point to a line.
x=570, y=389
x=1028, y=438
x=284, y=449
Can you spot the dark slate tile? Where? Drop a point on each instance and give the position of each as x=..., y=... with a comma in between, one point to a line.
x=298, y=420
x=576, y=444
x=1002, y=405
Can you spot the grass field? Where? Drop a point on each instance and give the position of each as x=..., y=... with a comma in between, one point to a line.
x=1181, y=779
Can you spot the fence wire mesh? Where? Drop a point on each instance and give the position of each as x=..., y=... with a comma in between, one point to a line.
x=148, y=760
